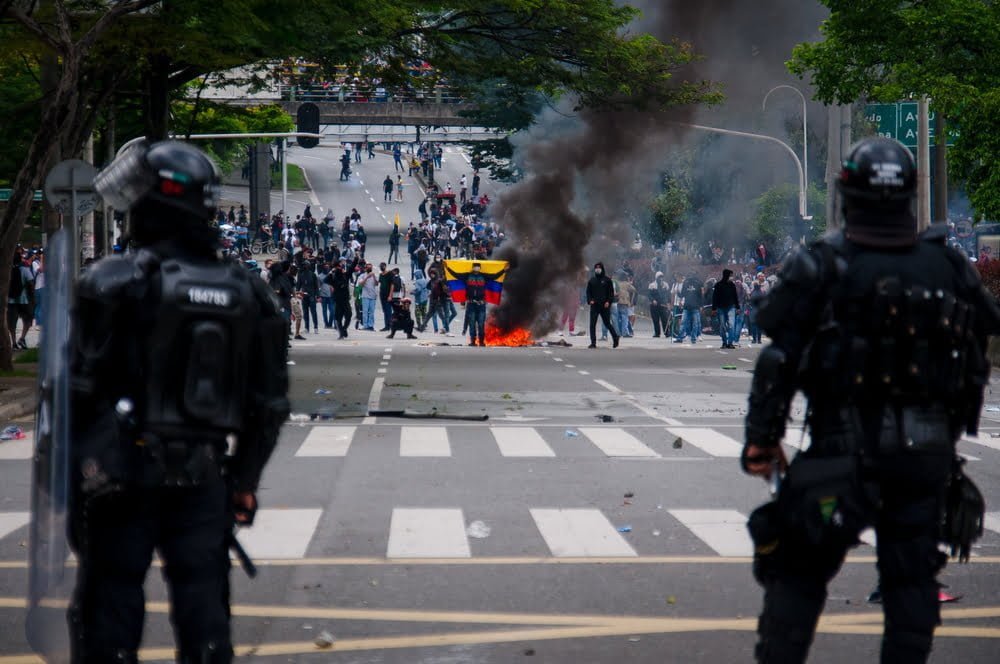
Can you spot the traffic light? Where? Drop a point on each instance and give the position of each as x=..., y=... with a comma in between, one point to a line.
x=307, y=119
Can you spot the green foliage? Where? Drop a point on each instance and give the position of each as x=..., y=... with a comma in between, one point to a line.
x=976, y=153
x=296, y=179
x=669, y=210
x=211, y=118
x=946, y=49
x=776, y=215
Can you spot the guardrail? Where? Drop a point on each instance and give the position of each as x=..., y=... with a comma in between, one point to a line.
x=364, y=95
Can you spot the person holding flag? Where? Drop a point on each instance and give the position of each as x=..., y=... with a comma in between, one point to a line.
x=475, y=288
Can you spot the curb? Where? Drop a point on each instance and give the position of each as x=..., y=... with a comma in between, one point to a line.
x=21, y=405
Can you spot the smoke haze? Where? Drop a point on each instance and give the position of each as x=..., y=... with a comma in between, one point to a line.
x=588, y=176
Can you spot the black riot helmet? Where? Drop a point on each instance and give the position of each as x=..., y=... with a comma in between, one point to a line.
x=171, y=189
x=879, y=182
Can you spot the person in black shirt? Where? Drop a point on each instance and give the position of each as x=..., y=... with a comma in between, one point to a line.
x=600, y=296
x=340, y=284
x=724, y=302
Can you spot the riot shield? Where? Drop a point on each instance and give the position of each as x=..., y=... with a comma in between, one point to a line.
x=49, y=581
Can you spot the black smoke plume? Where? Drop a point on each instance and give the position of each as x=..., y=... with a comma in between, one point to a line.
x=586, y=182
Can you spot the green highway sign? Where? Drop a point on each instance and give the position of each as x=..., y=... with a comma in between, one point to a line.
x=5, y=195
x=899, y=121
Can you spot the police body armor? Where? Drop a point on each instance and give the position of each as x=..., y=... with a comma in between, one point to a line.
x=893, y=376
x=196, y=354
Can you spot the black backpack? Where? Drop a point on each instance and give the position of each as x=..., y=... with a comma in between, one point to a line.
x=16, y=282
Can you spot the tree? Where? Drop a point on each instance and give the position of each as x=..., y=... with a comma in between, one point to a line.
x=776, y=215
x=946, y=49
x=668, y=210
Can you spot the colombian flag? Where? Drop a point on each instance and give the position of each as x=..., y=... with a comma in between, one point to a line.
x=457, y=271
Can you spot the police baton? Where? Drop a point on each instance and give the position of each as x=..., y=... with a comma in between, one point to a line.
x=241, y=555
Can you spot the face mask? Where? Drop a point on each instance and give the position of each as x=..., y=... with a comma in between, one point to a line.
x=598, y=271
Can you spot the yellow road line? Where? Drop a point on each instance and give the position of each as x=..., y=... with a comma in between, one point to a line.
x=561, y=627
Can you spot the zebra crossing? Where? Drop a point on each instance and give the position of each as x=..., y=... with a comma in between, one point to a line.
x=570, y=532
x=530, y=442
x=539, y=442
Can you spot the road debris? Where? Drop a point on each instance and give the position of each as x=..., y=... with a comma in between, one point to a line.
x=478, y=530
x=324, y=640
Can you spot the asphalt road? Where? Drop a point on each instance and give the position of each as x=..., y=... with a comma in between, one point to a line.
x=513, y=539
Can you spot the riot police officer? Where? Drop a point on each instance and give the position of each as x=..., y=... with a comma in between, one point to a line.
x=179, y=386
x=885, y=331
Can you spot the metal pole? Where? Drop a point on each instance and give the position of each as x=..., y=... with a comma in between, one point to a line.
x=763, y=137
x=284, y=175
x=805, y=138
x=923, y=164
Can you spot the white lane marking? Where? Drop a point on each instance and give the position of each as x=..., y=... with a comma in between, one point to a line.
x=374, y=397
x=378, y=209
x=547, y=352
x=584, y=373
x=615, y=442
x=383, y=364
x=387, y=356
x=743, y=359
x=608, y=386
x=571, y=366
x=573, y=533
x=993, y=443
x=424, y=442
x=427, y=533
x=366, y=191
x=360, y=181
x=382, y=370
x=333, y=441
x=710, y=441
x=389, y=349
x=868, y=536
x=649, y=412
x=725, y=531
x=305, y=156
x=11, y=521
x=278, y=533
x=521, y=442
x=18, y=450
x=371, y=199
x=557, y=359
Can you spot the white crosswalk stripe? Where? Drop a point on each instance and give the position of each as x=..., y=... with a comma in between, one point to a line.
x=17, y=450
x=986, y=441
x=710, y=441
x=280, y=533
x=521, y=442
x=11, y=521
x=327, y=442
x=615, y=442
x=572, y=533
x=424, y=442
x=427, y=533
x=992, y=521
x=725, y=531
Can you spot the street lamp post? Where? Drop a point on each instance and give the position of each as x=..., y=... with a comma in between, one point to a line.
x=771, y=139
x=805, y=138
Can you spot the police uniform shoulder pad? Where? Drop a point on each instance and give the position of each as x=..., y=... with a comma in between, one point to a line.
x=935, y=234
x=111, y=277
x=803, y=266
x=265, y=297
